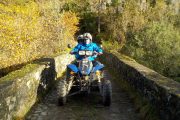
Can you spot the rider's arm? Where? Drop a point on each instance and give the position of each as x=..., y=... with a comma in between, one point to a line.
x=92, y=58
x=75, y=49
x=97, y=49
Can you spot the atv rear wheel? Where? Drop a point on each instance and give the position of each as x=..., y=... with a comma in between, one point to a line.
x=107, y=93
x=62, y=92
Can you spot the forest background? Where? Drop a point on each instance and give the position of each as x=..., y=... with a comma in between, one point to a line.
x=146, y=30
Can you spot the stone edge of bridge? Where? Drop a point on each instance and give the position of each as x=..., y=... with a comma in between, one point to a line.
x=20, y=90
x=161, y=92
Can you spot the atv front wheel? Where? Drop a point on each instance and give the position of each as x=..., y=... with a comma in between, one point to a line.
x=107, y=93
x=62, y=92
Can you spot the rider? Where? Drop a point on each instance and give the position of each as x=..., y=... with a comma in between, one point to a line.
x=80, y=39
x=80, y=42
x=87, y=44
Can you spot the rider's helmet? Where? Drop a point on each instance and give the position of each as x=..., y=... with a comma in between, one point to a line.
x=80, y=39
x=87, y=38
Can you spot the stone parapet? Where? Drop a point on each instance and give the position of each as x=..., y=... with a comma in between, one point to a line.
x=162, y=92
x=20, y=89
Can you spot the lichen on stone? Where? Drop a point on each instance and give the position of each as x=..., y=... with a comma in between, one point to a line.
x=19, y=73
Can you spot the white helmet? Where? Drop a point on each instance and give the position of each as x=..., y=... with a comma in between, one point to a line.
x=87, y=35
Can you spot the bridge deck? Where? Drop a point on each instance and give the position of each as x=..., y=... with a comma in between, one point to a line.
x=81, y=107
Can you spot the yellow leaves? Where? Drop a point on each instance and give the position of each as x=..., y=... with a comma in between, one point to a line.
x=5, y=9
x=70, y=21
x=34, y=29
x=17, y=25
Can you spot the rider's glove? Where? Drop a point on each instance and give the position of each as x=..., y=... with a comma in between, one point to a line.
x=71, y=52
x=100, y=53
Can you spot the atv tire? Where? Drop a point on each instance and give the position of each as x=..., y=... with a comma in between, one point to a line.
x=106, y=93
x=62, y=92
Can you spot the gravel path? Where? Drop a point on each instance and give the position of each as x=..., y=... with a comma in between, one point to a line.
x=81, y=107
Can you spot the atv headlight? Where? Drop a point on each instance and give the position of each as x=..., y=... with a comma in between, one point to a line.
x=84, y=61
x=81, y=52
x=89, y=53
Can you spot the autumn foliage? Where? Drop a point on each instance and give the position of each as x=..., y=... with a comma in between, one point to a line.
x=30, y=30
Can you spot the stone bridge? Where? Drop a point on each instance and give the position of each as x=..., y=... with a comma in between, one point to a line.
x=139, y=93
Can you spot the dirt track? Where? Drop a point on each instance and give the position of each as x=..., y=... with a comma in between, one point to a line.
x=81, y=107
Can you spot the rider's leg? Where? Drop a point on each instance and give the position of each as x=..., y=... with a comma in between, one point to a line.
x=94, y=63
x=98, y=73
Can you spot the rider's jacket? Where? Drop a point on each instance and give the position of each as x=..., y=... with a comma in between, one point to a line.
x=90, y=47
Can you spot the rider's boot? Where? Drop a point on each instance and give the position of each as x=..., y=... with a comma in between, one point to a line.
x=100, y=78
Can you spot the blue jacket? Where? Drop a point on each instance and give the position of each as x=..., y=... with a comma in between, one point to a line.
x=90, y=47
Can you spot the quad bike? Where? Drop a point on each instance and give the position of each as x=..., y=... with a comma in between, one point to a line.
x=85, y=75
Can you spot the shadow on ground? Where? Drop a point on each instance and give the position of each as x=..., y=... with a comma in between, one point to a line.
x=83, y=107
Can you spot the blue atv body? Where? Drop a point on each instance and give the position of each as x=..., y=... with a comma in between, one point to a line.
x=75, y=69
x=85, y=75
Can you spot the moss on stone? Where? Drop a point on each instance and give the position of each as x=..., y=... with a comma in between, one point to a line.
x=29, y=78
x=146, y=111
x=122, y=56
x=152, y=87
x=19, y=73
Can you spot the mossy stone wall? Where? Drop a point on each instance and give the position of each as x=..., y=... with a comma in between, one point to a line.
x=161, y=92
x=20, y=89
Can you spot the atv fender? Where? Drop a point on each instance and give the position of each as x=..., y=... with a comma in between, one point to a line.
x=73, y=68
x=98, y=67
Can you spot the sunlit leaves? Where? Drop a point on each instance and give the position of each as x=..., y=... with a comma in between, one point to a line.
x=29, y=30
x=152, y=34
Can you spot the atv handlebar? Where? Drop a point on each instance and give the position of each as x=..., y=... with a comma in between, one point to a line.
x=94, y=53
x=97, y=53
